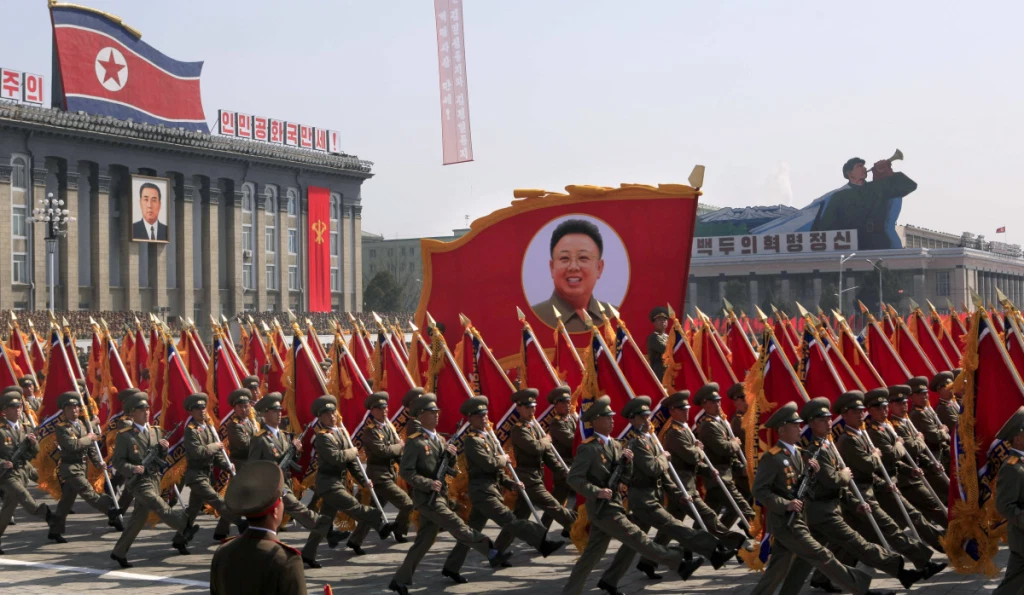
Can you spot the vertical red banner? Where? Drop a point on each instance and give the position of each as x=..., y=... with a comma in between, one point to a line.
x=456, y=138
x=319, y=249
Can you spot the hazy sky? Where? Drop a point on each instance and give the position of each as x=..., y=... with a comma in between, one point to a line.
x=768, y=95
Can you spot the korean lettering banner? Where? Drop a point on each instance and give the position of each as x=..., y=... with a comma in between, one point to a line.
x=838, y=240
x=456, y=137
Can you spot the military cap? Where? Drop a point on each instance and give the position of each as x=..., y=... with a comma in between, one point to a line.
x=474, y=406
x=9, y=400
x=68, y=398
x=376, y=400
x=26, y=381
x=122, y=395
x=941, y=380
x=411, y=396
x=323, y=405
x=80, y=382
x=424, y=402
x=196, y=401
x=255, y=490
x=659, y=312
x=1013, y=426
x=239, y=396
x=876, y=397
x=602, y=407
x=526, y=397
x=637, y=406
x=918, y=384
x=736, y=392
x=677, y=399
x=325, y=365
x=787, y=414
x=14, y=390
x=957, y=372
x=853, y=399
x=817, y=407
x=708, y=392
x=898, y=393
x=251, y=379
x=559, y=394
x=271, y=402
x=137, y=401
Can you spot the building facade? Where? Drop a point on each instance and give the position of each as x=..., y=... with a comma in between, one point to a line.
x=237, y=218
x=403, y=259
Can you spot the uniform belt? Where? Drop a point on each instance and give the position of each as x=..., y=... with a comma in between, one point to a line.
x=330, y=472
x=379, y=463
x=201, y=468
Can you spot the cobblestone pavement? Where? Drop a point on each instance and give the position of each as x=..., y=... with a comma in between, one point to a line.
x=33, y=565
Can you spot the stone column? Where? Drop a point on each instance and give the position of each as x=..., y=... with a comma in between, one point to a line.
x=6, y=297
x=234, y=243
x=347, y=259
x=99, y=235
x=784, y=293
x=183, y=241
x=259, y=250
x=283, y=258
x=130, y=250
x=847, y=296
x=755, y=299
x=69, y=193
x=816, y=284
x=357, y=257
x=211, y=268
x=41, y=295
x=692, y=293
x=919, y=288
x=303, y=260
x=158, y=254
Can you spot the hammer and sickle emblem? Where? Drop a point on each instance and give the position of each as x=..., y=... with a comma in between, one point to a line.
x=319, y=227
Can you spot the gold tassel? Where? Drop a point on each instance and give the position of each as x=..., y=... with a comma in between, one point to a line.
x=46, y=466
x=294, y=426
x=413, y=365
x=580, y=531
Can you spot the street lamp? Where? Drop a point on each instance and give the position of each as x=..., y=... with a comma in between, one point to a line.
x=54, y=216
x=878, y=265
x=842, y=261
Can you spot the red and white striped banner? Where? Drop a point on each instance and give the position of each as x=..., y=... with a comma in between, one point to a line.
x=456, y=138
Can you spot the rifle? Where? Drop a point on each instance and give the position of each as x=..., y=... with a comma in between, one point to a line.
x=892, y=485
x=151, y=462
x=554, y=450
x=220, y=453
x=805, y=483
x=445, y=464
x=18, y=458
x=287, y=462
x=515, y=476
x=857, y=493
x=613, y=485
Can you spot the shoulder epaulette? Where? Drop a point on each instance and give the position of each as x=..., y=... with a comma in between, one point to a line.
x=415, y=435
x=519, y=424
x=371, y=423
x=1013, y=460
x=260, y=433
x=589, y=440
x=323, y=430
x=63, y=424
x=287, y=547
x=128, y=429
x=775, y=450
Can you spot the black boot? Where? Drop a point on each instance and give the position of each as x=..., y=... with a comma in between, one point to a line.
x=399, y=537
x=909, y=577
x=355, y=548
x=123, y=562
x=455, y=576
x=311, y=563
x=397, y=588
x=932, y=569
x=688, y=567
x=114, y=519
x=548, y=547
x=385, y=530
x=334, y=537
x=649, y=570
x=721, y=556
x=825, y=585
x=57, y=537
x=609, y=589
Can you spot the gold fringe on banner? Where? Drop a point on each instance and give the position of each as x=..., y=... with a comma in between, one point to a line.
x=580, y=531
x=46, y=466
x=413, y=365
x=436, y=360
x=294, y=426
x=753, y=389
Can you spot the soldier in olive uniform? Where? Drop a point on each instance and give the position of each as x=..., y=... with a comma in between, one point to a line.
x=336, y=458
x=657, y=341
x=412, y=425
x=600, y=468
x=826, y=500
x=913, y=441
x=14, y=474
x=271, y=443
x=936, y=436
x=132, y=445
x=948, y=408
x=420, y=468
x=651, y=482
x=383, y=447
x=252, y=384
x=776, y=485
x=723, y=451
x=486, y=462
x=533, y=450
x=738, y=397
x=562, y=425
x=896, y=457
x=28, y=390
x=203, y=450
x=76, y=439
x=255, y=561
x=1010, y=503
x=240, y=427
x=865, y=462
x=123, y=421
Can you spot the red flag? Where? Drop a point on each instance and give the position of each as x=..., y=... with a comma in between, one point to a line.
x=94, y=368
x=313, y=338
x=941, y=329
x=567, y=362
x=682, y=372
x=9, y=372
x=397, y=338
x=275, y=377
x=197, y=366
x=883, y=356
x=222, y=381
x=996, y=321
x=603, y=377
x=60, y=378
x=839, y=363
x=319, y=249
x=399, y=381
x=1001, y=229
x=448, y=383
x=115, y=380
x=957, y=330
x=176, y=386
x=889, y=325
x=859, y=361
x=361, y=353
x=36, y=348
x=419, y=359
x=198, y=343
x=911, y=353
x=305, y=383
x=819, y=375
x=140, y=362
x=743, y=355
x=716, y=368
x=536, y=370
x=791, y=331
x=783, y=338
x=22, y=352
x=350, y=386
x=491, y=378
x=922, y=331
x=635, y=367
x=257, y=356
x=1015, y=344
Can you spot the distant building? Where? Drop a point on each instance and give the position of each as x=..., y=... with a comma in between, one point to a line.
x=402, y=258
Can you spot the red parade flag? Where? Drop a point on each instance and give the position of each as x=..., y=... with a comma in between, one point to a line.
x=490, y=378
x=889, y=325
x=176, y=385
x=635, y=367
x=940, y=326
x=157, y=375
x=22, y=352
x=258, y=356
x=839, y=362
x=921, y=330
x=319, y=249
x=350, y=387
x=222, y=381
x=94, y=367
x=743, y=355
x=127, y=353
x=361, y=353
x=397, y=338
x=883, y=355
x=716, y=368
x=957, y=331
x=819, y=376
x=9, y=372
x=60, y=378
x=115, y=380
x=858, y=358
x=682, y=371
x=1015, y=344
x=275, y=376
x=566, y=361
x=603, y=377
x=197, y=366
x=913, y=355
x=313, y=339
x=198, y=342
x=447, y=382
x=783, y=338
x=38, y=356
x=419, y=359
x=140, y=362
x=305, y=383
x=536, y=371
x=399, y=381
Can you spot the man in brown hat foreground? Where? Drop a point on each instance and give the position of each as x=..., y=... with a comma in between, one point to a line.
x=255, y=562
x=14, y=470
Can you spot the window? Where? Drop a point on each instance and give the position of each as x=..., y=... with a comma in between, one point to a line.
x=335, y=208
x=270, y=231
x=269, y=239
x=942, y=284
x=19, y=175
x=271, y=276
x=18, y=221
x=246, y=199
x=293, y=277
x=373, y=254
x=20, y=272
x=247, y=276
x=293, y=241
x=246, y=237
x=293, y=204
x=335, y=285
x=335, y=244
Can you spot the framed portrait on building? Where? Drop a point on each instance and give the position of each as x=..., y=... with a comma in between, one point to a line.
x=149, y=209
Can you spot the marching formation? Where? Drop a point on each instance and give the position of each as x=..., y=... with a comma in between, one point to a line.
x=825, y=450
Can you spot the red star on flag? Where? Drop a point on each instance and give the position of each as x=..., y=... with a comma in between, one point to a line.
x=111, y=69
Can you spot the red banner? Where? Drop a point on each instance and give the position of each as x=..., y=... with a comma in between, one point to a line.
x=456, y=137
x=507, y=261
x=319, y=235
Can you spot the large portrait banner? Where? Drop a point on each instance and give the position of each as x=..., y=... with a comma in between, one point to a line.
x=149, y=209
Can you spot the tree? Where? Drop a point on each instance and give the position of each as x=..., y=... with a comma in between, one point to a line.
x=829, y=299
x=893, y=284
x=736, y=293
x=383, y=293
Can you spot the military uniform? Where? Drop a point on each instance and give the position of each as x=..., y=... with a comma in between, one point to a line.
x=724, y=454
x=272, y=444
x=239, y=430
x=123, y=421
x=75, y=447
x=336, y=458
x=383, y=448
x=412, y=425
x=533, y=450
x=914, y=442
x=656, y=344
x=1010, y=504
x=131, y=447
x=420, y=464
x=486, y=477
x=739, y=470
x=14, y=481
x=948, y=408
x=255, y=562
x=648, y=486
x=776, y=483
x=936, y=436
x=597, y=460
x=562, y=430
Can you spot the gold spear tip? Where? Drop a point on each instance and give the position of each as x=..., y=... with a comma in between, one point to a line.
x=558, y=315
x=728, y=306
x=696, y=178
x=223, y=319
x=931, y=306
x=377, y=318
x=964, y=307
x=519, y=314
x=266, y=328
x=743, y=314
x=700, y=315
x=351, y=318
x=913, y=305
x=190, y=321
x=671, y=312
x=64, y=321
x=413, y=326
x=1000, y=296
x=587, y=320
x=464, y=320
x=760, y=314
x=431, y=323
x=977, y=300
x=181, y=321
x=30, y=325
x=292, y=318
x=838, y=315
x=726, y=312
x=803, y=311
x=949, y=304
x=863, y=308
x=600, y=307
x=92, y=321
x=775, y=310
x=14, y=317
x=213, y=321
x=615, y=312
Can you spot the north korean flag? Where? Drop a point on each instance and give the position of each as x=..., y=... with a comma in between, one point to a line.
x=104, y=68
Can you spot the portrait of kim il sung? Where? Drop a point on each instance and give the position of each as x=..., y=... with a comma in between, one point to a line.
x=585, y=262
x=149, y=209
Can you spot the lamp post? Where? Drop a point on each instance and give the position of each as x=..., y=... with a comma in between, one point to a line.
x=878, y=265
x=54, y=216
x=842, y=261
